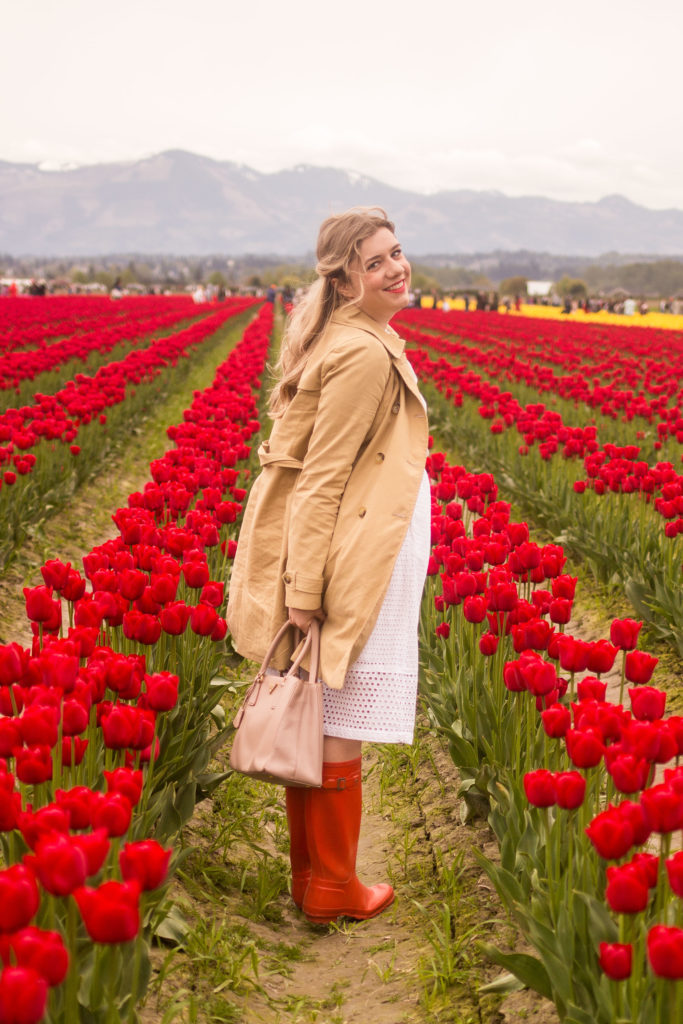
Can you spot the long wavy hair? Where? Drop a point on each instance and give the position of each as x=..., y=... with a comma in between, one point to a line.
x=338, y=249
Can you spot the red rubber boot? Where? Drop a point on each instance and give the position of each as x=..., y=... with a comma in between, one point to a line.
x=333, y=815
x=295, y=798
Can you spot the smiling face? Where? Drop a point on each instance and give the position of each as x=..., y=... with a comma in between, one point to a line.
x=381, y=279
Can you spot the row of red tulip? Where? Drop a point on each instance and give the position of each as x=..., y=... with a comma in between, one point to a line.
x=566, y=494
x=92, y=699
x=502, y=594
x=619, y=372
x=102, y=335
x=31, y=322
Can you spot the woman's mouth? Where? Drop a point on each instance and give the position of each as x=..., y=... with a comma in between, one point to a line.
x=398, y=287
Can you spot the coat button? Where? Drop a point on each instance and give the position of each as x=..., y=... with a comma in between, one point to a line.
x=361, y=512
x=379, y=457
x=395, y=407
x=287, y=577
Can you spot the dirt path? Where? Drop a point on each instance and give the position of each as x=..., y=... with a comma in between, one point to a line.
x=386, y=971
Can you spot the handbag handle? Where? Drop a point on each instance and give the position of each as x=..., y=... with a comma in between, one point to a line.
x=311, y=643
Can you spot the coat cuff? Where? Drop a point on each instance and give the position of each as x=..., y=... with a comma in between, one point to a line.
x=302, y=591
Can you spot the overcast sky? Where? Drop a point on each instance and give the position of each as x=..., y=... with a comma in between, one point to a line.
x=573, y=100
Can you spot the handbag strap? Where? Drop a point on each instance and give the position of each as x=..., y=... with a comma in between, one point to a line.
x=311, y=642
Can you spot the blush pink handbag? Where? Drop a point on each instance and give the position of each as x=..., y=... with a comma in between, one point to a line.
x=279, y=735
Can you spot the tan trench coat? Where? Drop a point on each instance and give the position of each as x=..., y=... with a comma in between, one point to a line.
x=326, y=517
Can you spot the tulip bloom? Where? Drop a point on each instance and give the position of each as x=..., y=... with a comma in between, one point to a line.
x=23, y=996
x=570, y=788
x=601, y=656
x=624, y=633
x=59, y=865
x=616, y=959
x=203, y=619
x=111, y=912
x=663, y=807
x=573, y=653
x=162, y=691
x=556, y=720
x=627, y=890
x=639, y=666
x=39, y=603
x=145, y=862
x=126, y=781
x=611, y=833
x=113, y=812
x=674, y=870
x=539, y=787
x=665, y=951
x=647, y=703
x=19, y=897
x=44, y=951
x=585, y=747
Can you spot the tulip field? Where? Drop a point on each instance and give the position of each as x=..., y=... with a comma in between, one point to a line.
x=110, y=719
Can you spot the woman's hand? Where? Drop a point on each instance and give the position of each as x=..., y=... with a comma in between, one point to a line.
x=302, y=617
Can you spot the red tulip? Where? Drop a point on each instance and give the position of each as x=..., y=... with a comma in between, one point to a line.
x=573, y=653
x=630, y=774
x=23, y=995
x=126, y=781
x=585, y=747
x=59, y=865
x=203, y=619
x=488, y=644
x=556, y=720
x=145, y=862
x=19, y=897
x=161, y=691
x=616, y=960
x=646, y=701
x=611, y=833
x=113, y=812
x=624, y=633
x=94, y=846
x=639, y=666
x=665, y=951
x=539, y=787
x=570, y=788
x=111, y=912
x=44, y=951
x=34, y=764
x=627, y=889
x=601, y=656
x=39, y=604
x=674, y=870
x=663, y=806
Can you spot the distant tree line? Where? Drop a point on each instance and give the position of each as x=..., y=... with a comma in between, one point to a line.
x=505, y=272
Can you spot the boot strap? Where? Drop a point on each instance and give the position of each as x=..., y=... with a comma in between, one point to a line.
x=342, y=782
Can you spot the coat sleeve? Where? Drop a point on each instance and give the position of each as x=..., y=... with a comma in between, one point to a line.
x=354, y=379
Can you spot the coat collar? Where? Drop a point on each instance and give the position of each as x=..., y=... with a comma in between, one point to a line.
x=354, y=317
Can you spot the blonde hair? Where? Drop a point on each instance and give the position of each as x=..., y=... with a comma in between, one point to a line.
x=339, y=241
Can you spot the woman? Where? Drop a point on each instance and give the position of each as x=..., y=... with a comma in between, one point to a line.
x=337, y=529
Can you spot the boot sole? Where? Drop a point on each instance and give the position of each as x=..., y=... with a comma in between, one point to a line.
x=353, y=914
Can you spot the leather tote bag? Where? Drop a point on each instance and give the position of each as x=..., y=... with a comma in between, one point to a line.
x=279, y=735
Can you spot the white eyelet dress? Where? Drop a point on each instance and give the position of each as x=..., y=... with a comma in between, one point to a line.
x=379, y=696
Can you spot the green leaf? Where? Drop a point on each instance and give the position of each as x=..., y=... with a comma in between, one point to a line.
x=503, y=984
x=528, y=969
x=174, y=928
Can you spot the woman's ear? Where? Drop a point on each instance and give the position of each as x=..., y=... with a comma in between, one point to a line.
x=342, y=288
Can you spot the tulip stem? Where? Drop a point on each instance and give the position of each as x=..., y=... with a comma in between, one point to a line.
x=136, y=971
x=72, y=979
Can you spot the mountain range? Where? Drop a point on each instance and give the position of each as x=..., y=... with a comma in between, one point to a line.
x=182, y=203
